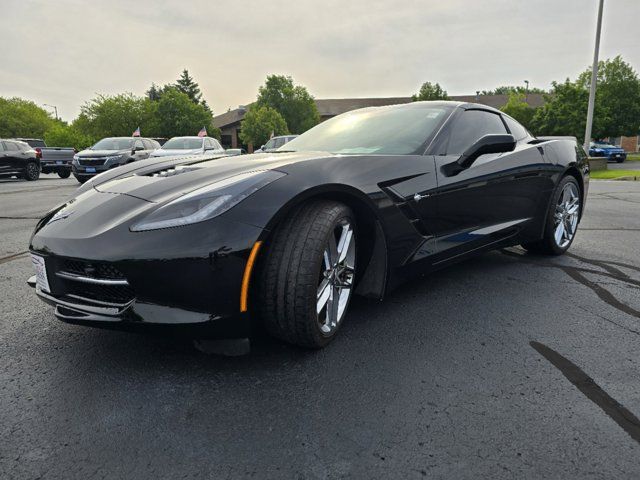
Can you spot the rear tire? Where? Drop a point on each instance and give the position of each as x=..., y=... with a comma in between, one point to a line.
x=32, y=172
x=562, y=219
x=307, y=277
x=64, y=173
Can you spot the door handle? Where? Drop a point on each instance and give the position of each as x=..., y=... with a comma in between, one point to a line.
x=417, y=197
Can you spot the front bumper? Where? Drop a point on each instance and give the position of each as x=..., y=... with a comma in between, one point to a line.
x=185, y=279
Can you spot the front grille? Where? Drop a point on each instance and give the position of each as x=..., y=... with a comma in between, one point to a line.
x=91, y=162
x=93, y=281
x=93, y=270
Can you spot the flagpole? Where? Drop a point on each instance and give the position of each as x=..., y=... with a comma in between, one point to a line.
x=594, y=78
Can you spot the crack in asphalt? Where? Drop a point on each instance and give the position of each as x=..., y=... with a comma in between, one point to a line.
x=617, y=412
x=613, y=197
x=14, y=256
x=576, y=273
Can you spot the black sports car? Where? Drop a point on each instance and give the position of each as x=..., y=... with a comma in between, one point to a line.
x=356, y=205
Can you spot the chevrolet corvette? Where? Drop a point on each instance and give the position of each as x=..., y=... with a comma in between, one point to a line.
x=226, y=246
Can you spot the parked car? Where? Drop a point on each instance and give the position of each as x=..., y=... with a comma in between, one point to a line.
x=276, y=142
x=359, y=203
x=18, y=159
x=612, y=152
x=181, y=146
x=235, y=151
x=53, y=159
x=110, y=153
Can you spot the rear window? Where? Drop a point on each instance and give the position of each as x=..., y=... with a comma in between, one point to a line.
x=36, y=143
x=517, y=130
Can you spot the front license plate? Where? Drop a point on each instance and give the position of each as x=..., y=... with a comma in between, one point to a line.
x=58, y=162
x=90, y=170
x=41, y=272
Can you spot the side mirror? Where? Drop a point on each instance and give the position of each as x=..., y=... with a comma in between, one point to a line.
x=137, y=149
x=492, y=143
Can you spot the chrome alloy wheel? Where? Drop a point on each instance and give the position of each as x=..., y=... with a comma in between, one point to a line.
x=33, y=170
x=566, y=215
x=336, y=277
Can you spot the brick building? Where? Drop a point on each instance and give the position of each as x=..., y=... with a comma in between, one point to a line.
x=229, y=122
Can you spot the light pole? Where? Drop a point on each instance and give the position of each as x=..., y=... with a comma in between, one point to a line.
x=526, y=92
x=54, y=108
x=594, y=78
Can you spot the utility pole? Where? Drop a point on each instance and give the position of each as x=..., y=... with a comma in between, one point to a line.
x=526, y=92
x=54, y=108
x=594, y=79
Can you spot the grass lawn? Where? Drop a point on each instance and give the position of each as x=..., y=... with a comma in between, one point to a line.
x=634, y=157
x=610, y=174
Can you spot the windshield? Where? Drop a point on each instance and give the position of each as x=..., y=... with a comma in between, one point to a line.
x=114, y=144
x=182, y=143
x=397, y=130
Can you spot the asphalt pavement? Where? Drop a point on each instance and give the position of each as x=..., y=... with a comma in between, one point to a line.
x=506, y=366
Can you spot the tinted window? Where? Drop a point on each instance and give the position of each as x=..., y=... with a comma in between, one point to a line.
x=397, y=130
x=36, y=143
x=470, y=127
x=517, y=130
x=11, y=146
x=2, y=147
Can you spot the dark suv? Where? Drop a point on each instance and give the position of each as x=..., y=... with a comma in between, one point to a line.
x=110, y=153
x=17, y=159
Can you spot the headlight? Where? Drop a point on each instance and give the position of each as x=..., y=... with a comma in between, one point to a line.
x=207, y=202
x=114, y=157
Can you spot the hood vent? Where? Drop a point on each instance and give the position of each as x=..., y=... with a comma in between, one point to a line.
x=170, y=172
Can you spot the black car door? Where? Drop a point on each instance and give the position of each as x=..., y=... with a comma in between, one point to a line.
x=492, y=199
x=14, y=157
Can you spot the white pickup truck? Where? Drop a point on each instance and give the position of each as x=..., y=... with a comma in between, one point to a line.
x=52, y=159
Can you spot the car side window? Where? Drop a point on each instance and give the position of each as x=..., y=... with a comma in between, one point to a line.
x=517, y=130
x=269, y=144
x=12, y=146
x=470, y=127
x=2, y=147
x=216, y=144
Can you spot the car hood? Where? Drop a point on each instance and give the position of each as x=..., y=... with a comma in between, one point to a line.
x=175, y=152
x=163, y=181
x=101, y=153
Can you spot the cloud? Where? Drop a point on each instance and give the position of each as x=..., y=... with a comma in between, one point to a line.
x=335, y=48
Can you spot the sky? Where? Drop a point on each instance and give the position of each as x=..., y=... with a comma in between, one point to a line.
x=65, y=52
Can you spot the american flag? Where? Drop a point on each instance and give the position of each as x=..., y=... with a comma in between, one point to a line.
x=136, y=132
x=203, y=132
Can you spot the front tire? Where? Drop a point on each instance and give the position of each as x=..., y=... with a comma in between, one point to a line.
x=64, y=173
x=308, y=275
x=562, y=219
x=32, y=171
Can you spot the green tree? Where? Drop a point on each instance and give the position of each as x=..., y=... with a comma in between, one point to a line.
x=617, y=105
x=519, y=109
x=260, y=123
x=117, y=116
x=187, y=85
x=509, y=89
x=430, y=91
x=61, y=135
x=293, y=103
x=178, y=115
x=23, y=118
x=564, y=112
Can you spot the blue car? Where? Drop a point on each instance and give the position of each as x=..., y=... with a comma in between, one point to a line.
x=613, y=153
